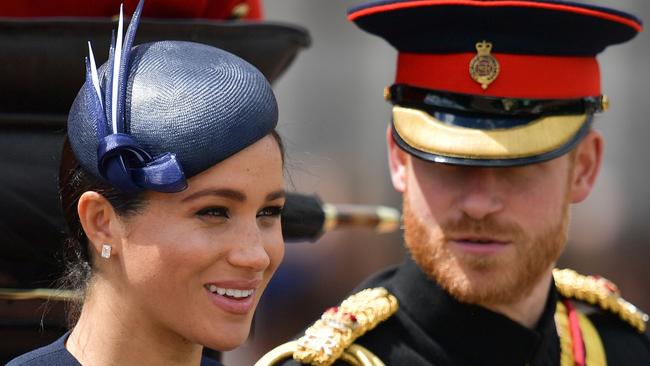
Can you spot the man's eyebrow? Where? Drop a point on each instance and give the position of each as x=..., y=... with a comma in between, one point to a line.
x=222, y=192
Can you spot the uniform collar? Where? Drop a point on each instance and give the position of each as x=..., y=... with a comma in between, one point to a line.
x=470, y=332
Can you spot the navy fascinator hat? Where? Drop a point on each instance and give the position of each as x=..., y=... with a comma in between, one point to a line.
x=159, y=113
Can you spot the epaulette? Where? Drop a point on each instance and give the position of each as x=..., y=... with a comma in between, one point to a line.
x=338, y=327
x=599, y=292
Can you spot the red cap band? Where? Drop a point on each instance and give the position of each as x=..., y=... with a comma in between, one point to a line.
x=520, y=76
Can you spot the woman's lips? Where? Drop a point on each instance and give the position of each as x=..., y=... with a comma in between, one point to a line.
x=235, y=297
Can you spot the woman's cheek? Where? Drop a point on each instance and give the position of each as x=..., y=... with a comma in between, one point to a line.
x=275, y=252
x=279, y=254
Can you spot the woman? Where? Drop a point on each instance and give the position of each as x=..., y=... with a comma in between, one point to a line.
x=172, y=187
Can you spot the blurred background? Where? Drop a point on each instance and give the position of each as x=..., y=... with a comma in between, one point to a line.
x=333, y=120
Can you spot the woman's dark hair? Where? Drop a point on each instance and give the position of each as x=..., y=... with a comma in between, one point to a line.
x=73, y=182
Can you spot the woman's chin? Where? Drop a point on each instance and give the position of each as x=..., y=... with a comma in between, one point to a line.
x=227, y=341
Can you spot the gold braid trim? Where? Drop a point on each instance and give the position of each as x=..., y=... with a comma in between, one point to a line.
x=355, y=355
x=326, y=340
x=562, y=326
x=600, y=292
x=594, y=349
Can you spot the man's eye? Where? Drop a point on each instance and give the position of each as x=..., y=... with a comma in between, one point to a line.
x=214, y=212
x=270, y=211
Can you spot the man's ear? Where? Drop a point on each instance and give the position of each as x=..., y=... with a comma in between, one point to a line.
x=397, y=162
x=99, y=222
x=588, y=160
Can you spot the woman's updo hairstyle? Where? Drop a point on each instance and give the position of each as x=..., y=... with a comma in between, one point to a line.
x=151, y=117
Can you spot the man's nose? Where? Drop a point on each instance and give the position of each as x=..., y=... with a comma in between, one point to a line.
x=481, y=193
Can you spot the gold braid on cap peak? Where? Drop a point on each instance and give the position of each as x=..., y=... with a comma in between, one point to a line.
x=600, y=292
x=332, y=336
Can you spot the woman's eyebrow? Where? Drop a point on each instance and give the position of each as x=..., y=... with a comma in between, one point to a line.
x=275, y=195
x=222, y=192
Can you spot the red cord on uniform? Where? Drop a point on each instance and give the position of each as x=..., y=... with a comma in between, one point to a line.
x=576, y=334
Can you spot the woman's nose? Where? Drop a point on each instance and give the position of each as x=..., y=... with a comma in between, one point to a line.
x=249, y=252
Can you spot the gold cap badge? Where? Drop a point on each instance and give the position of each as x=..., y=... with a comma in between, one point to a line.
x=483, y=67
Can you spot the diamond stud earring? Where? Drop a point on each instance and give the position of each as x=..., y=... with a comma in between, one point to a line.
x=106, y=251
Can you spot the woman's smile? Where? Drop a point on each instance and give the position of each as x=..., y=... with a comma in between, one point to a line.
x=233, y=296
x=240, y=303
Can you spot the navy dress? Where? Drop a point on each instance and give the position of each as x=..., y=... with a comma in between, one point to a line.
x=55, y=354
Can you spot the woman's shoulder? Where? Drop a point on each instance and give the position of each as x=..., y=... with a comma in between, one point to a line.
x=54, y=354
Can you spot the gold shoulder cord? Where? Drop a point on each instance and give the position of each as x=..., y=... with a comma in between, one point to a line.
x=562, y=326
x=599, y=292
x=596, y=291
x=594, y=350
x=332, y=336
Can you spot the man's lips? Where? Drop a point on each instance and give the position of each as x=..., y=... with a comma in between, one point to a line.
x=480, y=240
x=479, y=245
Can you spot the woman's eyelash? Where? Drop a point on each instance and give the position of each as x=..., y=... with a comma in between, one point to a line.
x=270, y=211
x=214, y=211
x=223, y=212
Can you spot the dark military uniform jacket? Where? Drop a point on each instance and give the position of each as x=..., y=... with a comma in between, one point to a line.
x=432, y=328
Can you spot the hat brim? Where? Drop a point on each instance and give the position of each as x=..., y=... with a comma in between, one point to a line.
x=47, y=71
x=545, y=138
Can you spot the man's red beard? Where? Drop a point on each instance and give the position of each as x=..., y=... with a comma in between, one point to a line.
x=484, y=279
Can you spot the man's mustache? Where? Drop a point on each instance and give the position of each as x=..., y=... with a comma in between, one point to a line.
x=488, y=227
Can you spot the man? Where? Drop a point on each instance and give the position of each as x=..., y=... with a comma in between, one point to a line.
x=490, y=142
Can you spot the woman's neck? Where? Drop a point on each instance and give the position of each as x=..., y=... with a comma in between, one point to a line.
x=112, y=331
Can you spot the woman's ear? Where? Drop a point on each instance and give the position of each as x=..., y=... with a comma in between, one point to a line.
x=397, y=162
x=99, y=222
x=587, y=162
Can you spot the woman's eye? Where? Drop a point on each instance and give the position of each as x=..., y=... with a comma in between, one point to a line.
x=270, y=211
x=214, y=212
